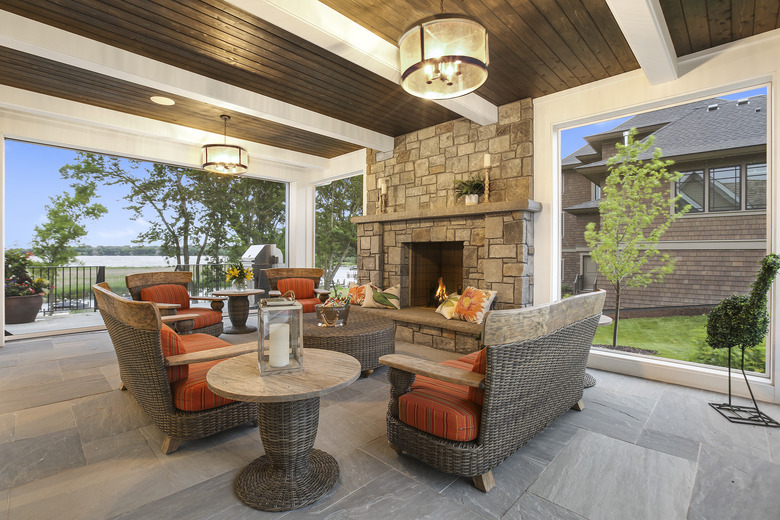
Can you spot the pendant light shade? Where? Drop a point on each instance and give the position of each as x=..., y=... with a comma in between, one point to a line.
x=224, y=158
x=444, y=56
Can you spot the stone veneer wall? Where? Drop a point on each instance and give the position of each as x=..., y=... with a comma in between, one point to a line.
x=498, y=237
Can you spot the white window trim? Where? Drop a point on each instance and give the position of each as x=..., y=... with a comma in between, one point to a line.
x=747, y=64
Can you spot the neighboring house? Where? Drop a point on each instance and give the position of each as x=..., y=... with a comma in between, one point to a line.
x=720, y=147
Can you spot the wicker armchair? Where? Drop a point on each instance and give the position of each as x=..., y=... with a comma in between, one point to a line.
x=137, y=332
x=165, y=289
x=532, y=369
x=298, y=280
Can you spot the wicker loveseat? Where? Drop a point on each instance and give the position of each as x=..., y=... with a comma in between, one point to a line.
x=169, y=290
x=302, y=281
x=465, y=417
x=166, y=373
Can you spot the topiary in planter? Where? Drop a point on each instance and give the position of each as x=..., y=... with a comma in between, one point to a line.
x=742, y=321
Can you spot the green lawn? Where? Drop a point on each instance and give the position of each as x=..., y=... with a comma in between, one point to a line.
x=677, y=337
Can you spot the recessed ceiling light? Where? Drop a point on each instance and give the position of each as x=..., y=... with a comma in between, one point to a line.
x=162, y=100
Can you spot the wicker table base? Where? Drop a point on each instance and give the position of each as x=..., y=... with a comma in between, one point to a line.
x=365, y=337
x=291, y=474
x=238, y=310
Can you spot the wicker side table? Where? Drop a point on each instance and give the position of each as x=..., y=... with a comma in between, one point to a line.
x=291, y=474
x=238, y=309
x=364, y=337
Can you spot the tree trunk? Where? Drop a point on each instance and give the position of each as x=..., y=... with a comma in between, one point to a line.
x=617, y=317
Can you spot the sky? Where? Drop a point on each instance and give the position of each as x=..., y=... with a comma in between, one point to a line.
x=32, y=177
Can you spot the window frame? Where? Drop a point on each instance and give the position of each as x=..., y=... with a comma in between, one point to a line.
x=707, y=180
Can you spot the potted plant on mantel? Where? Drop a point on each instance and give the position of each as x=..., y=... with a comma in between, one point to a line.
x=470, y=188
x=23, y=294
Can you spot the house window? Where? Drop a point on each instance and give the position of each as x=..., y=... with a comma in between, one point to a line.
x=720, y=189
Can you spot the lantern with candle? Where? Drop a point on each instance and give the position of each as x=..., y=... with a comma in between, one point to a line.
x=280, y=338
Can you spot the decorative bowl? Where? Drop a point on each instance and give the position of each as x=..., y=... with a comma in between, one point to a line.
x=332, y=315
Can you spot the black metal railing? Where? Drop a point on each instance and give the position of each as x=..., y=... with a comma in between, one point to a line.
x=206, y=278
x=70, y=287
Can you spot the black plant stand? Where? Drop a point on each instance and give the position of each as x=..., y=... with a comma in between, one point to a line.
x=744, y=414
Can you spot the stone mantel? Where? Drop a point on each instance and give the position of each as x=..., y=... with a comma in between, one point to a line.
x=453, y=211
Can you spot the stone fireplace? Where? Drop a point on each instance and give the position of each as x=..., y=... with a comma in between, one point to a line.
x=426, y=233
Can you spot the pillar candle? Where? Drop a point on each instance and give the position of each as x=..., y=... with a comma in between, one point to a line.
x=279, y=348
x=487, y=160
x=383, y=187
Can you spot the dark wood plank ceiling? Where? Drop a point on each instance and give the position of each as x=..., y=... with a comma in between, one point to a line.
x=217, y=40
x=28, y=72
x=696, y=25
x=537, y=47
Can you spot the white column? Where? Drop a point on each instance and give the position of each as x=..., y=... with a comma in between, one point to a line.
x=300, y=227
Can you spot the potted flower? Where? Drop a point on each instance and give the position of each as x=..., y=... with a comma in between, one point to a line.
x=238, y=275
x=471, y=189
x=23, y=294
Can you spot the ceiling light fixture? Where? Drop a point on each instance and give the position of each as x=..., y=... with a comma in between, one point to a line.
x=444, y=56
x=224, y=158
x=162, y=100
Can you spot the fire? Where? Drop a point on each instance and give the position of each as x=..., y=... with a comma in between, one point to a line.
x=441, y=292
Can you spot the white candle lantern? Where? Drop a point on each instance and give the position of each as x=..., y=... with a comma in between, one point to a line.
x=280, y=337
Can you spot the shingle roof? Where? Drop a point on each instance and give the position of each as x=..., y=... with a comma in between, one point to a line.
x=694, y=128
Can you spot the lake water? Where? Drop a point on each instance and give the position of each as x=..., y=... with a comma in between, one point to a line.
x=343, y=276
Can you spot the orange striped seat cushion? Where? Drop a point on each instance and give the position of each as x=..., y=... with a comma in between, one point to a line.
x=440, y=413
x=192, y=394
x=477, y=395
x=172, y=346
x=308, y=303
x=302, y=287
x=167, y=293
x=206, y=317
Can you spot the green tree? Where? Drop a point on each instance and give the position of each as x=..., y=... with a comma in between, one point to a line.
x=55, y=240
x=636, y=210
x=336, y=236
x=191, y=213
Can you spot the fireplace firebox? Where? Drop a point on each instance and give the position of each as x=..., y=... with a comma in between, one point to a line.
x=428, y=263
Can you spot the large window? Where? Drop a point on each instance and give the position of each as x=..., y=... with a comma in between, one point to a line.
x=721, y=189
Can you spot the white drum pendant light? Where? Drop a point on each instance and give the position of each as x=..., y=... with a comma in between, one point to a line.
x=444, y=56
x=224, y=158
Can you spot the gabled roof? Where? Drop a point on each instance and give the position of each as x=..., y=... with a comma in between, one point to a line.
x=704, y=126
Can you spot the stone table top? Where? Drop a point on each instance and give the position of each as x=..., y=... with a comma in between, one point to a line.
x=324, y=371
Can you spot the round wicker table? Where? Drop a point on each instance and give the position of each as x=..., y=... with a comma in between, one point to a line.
x=238, y=309
x=365, y=336
x=291, y=474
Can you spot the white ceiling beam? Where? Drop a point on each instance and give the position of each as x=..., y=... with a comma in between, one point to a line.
x=334, y=32
x=642, y=23
x=42, y=40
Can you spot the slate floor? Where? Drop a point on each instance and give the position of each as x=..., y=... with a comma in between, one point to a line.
x=73, y=446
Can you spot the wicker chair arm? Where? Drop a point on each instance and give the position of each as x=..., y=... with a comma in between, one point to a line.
x=433, y=370
x=211, y=354
x=173, y=318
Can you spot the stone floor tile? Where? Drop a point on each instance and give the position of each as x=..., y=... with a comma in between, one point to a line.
x=198, y=460
x=409, y=466
x=33, y=459
x=614, y=414
x=111, y=373
x=213, y=499
x=391, y=496
x=548, y=443
x=107, y=414
x=730, y=484
x=5, y=496
x=115, y=446
x=597, y=476
x=96, y=491
x=7, y=425
x=8, y=360
x=54, y=392
x=512, y=476
x=341, y=431
x=50, y=418
x=75, y=349
x=692, y=418
x=30, y=345
x=532, y=507
x=671, y=444
x=13, y=378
